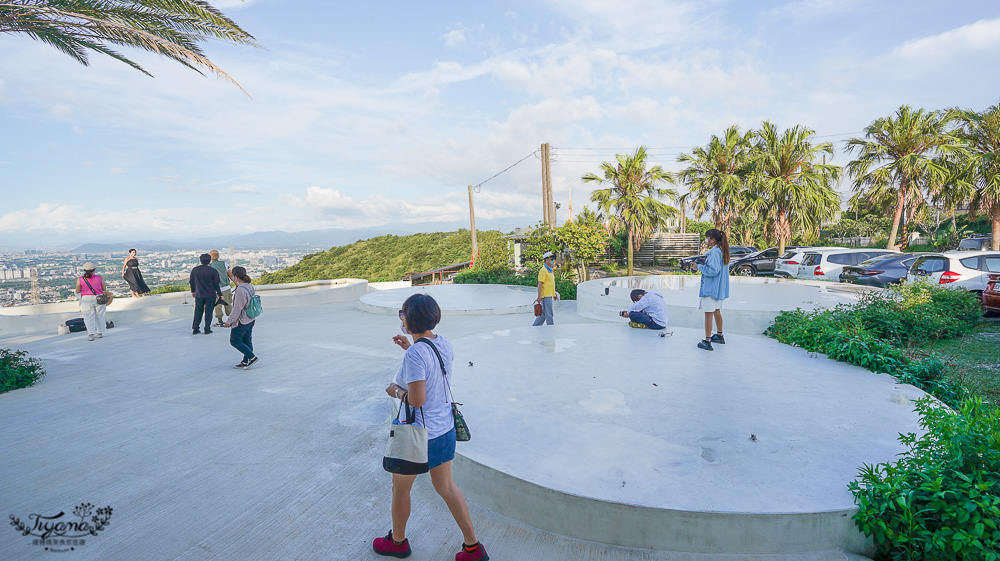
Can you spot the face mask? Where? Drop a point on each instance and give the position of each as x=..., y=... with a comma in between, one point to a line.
x=402, y=327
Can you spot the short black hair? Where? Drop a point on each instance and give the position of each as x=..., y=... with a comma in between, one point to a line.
x=205, y=259
x=637, y=294
x=422, y=313
x=132, y=251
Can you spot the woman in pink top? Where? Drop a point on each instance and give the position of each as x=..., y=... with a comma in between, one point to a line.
x=87, y=288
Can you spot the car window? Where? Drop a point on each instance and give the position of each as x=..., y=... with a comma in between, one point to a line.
x=769, y=254
x=929, y=264
x=970, y=262
x=992, y=263
x=788, y=254
x=843, y=258
x=811, y=259
x=906, y=262
x=971, y=243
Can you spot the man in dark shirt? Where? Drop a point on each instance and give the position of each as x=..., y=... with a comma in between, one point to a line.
x=205, y=291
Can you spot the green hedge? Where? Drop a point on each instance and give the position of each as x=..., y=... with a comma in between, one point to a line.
x=564, y=286
x=17, y=370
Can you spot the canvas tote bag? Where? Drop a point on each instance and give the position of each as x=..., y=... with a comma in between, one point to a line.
x=406, y=450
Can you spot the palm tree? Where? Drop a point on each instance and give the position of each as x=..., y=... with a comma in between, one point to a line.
x=715, y=175
x=170, y=28
x=901, y=152
x=632, y=202
x=981, y=131
x=795, y=191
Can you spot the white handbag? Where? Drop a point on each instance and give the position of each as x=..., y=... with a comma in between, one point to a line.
x=406, y=450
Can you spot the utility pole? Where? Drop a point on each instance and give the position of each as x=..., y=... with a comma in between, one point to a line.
x=683, y=223
x=549, y=214
x=472, y=222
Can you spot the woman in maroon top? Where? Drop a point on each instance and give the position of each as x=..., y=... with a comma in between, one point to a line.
x=87, y=288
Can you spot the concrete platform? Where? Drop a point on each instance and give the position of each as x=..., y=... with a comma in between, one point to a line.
x=457, y=299
x=617, y=435
x=752, y=305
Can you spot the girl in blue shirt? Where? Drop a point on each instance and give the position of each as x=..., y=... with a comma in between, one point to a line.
x=714, y=285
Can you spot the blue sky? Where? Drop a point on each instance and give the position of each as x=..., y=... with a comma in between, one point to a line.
x=374, y=113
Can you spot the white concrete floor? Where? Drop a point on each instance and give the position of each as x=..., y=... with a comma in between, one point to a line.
x=203, y=462
x=457, y=297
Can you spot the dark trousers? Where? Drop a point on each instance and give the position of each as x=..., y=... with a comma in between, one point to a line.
x=241, y=338
x=643, y=318
x=203, y=309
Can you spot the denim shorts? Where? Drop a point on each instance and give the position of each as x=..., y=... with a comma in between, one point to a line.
x=441, y=449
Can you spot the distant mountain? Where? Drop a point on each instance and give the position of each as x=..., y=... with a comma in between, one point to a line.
x=277, y=239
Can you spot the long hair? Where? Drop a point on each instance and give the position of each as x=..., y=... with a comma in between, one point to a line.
x=241, y=273
x=722, y=241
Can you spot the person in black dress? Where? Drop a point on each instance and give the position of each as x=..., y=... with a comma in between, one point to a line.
x=133, y=276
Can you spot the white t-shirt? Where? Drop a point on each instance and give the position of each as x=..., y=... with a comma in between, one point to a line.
x=420, y=363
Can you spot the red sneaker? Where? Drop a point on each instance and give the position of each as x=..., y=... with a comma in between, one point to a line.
x=472, y=553
x=386, y=546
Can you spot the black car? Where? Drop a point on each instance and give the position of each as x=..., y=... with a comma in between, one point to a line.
x=735, y=252
x=880, y=271
x=756, y=264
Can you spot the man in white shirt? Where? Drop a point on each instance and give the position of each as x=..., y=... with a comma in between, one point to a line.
x=648, y=310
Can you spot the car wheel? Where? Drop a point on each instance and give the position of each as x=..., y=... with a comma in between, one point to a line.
x=744, y=271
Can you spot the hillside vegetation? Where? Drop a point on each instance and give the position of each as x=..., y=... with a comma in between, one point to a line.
x=385, y=258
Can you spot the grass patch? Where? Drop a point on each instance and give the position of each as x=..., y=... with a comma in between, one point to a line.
x=972, y=360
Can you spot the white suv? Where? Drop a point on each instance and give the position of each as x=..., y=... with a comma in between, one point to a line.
x=826, y=264
x=787, y=265
x=965, y=269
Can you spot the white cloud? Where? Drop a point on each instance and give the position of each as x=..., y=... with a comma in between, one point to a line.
x=246, y=188
x=982, y=36
x=456, y=36
x=810, y=10
x=46, y=216
x=165, y=179
x=118, y=171
x=79, y=131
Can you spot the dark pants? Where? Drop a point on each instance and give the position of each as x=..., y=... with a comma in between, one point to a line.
x=643, y=318
x=241, y=339
x=203, y=308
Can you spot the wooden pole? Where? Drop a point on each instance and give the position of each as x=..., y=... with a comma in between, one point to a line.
x=472, y=222
x=547, y=171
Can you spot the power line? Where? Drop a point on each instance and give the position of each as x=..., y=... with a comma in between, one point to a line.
x=505, y=169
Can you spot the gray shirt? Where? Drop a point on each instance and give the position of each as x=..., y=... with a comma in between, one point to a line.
x=653, y=305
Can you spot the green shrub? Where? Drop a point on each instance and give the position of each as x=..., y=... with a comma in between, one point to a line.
x=564, y=286
x=919, y=248
x=941, y=500
x=171, y=288
x=17, y=370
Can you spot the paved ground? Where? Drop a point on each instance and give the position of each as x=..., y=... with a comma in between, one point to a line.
x=203, y=462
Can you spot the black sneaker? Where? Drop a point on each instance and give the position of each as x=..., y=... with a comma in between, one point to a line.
x=195, y=332
x=707, y=345
x=718, y=338
x=241, y=365
x=208, y=331
x=250, y=363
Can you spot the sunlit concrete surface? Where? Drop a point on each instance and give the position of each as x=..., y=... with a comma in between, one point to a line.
x=752, y=304
x=609, y=414
x=457, y=299
x=203, y=462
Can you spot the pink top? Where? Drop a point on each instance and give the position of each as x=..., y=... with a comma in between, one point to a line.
x=95, y=281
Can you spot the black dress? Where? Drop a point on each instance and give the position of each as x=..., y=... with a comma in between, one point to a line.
x=133, y=276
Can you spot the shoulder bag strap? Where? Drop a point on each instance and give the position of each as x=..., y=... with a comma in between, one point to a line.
x=440, y=362
x=92, y=291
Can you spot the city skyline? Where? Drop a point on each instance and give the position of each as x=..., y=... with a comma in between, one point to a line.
x=368, y=115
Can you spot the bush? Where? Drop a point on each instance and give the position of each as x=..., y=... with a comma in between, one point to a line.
x=941, y=500
x=920, y=248
x=564, y=286
x=171, y=288
x=17, y=370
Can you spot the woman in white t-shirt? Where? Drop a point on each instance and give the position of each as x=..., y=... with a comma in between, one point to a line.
x=421, y=381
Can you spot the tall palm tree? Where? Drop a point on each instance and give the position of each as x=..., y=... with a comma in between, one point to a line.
x=795, y=190
x=632, y=202
x=902, y=152
x=715, y=175
x=981, y=131
x=170, y=28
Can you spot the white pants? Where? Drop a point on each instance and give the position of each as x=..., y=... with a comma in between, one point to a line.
x=93, y=315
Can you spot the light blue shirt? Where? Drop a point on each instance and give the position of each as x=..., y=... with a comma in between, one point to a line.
x=714, y=276
x=653, y=305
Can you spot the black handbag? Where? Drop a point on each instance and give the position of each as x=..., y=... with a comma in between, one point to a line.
x=102, y=299
x=462, y=432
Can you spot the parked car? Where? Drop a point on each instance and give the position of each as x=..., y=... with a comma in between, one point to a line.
x=880, y=271
x=735, y=251
x=756, y=264
x=978, y=243
x=965, y=269
x=826, y=264
x=787, y=266
x=991, y=296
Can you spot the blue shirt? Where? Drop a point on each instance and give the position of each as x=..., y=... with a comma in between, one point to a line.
x=653, y=305
x=714, y=276
x=420, y=363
